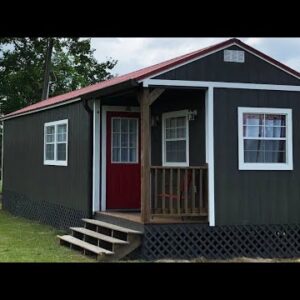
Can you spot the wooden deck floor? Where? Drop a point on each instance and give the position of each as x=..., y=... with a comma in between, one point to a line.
x=136, y=217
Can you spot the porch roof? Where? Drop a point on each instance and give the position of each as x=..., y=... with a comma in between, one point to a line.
x=133, y=77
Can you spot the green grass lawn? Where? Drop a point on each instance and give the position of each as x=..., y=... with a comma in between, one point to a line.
x=23, y=240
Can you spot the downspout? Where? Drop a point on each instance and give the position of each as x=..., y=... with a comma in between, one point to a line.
x=90, y=112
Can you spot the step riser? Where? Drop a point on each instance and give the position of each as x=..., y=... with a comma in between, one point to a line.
x=79, y=249
x=107, y=231
x=118, y=221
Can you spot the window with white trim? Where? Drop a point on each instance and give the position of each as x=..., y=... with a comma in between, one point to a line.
x=175, y=132
x=56, y=143
x=265, y=138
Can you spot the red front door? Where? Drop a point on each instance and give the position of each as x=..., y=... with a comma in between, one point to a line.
x=123, y=180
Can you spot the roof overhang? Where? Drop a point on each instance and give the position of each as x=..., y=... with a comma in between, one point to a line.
x=129, y=84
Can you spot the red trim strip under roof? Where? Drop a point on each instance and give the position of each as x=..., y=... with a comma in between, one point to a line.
x=146, y=72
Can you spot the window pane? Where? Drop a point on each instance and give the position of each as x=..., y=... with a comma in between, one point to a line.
x=116, y=125
x=124, y=125
x=275, y=120
x=61, y=137
x=254, y=145
x=61, y=133
x=176, y=151
x=275, y=145
x=181, y=122
x=170, y=133
x=50, y=134
x=133, y=125
x=275, y=131
x=173, y=122
x=49, y=138
x=50, y=130
x=132, y=154
x=181, y=132
x=274, y=157
x=132, y=140
x=253, y=119
x=124, y=139
x=124, y=154
x=61, y=152
x=49, y=151
x=116, y=155
x=254, y=156
x=61, y=128
x=253, y=131
x=116, y=140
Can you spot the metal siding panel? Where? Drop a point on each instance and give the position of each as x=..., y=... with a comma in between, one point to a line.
x=25, y=173
x=253, y=197
x=213, y=68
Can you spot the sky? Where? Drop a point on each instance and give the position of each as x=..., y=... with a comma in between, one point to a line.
x=136, y=53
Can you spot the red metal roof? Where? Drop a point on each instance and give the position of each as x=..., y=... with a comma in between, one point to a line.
x=144, y=73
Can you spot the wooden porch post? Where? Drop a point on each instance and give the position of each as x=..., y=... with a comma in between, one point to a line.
x=144, y=100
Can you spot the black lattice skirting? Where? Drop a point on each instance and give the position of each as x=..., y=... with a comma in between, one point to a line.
x=185, y=241
x=58, y=216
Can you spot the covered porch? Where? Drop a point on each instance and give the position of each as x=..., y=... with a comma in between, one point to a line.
x=172, y=189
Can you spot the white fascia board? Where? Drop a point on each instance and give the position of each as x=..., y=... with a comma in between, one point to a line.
x=219, y=84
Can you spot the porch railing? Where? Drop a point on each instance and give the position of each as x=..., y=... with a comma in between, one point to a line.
x=179, y=191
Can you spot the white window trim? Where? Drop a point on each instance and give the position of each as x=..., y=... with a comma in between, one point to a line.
x=289, y=139
x=56, y=162
x=174, y=114
x=137, y=142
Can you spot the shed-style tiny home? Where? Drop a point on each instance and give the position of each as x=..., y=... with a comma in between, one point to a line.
x=195, y=156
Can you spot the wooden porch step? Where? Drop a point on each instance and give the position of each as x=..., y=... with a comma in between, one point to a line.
x=84, y=245
x=111, y=226
x=98, y=235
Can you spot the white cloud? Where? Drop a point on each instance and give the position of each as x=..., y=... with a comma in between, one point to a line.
x=135, y=53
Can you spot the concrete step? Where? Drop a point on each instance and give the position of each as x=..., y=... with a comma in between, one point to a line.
x=112, y=226
x=84, y=245
x=98, y=235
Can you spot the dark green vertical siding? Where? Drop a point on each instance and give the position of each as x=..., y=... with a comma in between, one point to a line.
x=253, y=197
x=24, y=171
x=213, y=68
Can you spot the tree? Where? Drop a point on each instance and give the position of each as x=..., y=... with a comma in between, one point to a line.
x=23, y=62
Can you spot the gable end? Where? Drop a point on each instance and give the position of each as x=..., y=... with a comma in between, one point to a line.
x=212, y=67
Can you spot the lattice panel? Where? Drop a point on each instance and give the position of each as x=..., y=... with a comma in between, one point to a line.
x=186, y=241
x=48, y=213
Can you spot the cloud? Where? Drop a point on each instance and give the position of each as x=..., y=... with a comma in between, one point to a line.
x=135, y=53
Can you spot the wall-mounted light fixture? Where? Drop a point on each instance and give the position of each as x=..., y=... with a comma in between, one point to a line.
x=192, y=114
x=154, y=121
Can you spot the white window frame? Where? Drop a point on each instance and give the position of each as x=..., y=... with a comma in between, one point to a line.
x=175, y=114
x=56, y=162
x=137, y=141
x=288, y=165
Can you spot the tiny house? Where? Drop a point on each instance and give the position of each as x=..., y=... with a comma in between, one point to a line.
x=197, y=155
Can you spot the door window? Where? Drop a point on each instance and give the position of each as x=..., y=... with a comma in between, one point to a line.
x=124, y=140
